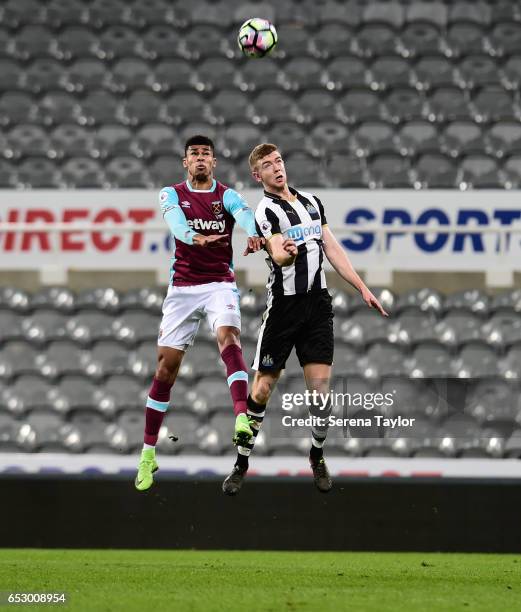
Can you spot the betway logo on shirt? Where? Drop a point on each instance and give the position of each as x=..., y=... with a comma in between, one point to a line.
x=203, y=224
x=304, y=231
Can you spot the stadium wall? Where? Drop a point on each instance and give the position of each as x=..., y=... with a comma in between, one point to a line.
x=473, y=235
x=385, y=514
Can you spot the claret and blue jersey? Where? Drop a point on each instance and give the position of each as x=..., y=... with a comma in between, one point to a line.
x=188, y=211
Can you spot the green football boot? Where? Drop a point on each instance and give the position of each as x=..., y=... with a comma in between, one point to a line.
x=146, y=468
x=243, y=432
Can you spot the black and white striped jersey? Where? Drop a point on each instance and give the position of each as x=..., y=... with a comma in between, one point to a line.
x=301, y=221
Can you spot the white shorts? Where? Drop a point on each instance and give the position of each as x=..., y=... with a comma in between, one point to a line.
x=184, y=307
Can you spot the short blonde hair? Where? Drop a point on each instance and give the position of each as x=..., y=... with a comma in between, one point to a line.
x=259, y=152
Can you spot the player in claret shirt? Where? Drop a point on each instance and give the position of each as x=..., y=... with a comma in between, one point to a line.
x=201, y=214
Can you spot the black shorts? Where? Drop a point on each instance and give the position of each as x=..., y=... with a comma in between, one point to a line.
x=303, y=321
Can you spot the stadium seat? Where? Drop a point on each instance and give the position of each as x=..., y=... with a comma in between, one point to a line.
x=11, y=75
x=28, y=392
x=363, y=328
x=478, y=70
x=464, y=38
x=433, y=71
x=53, y=298
x=291, y=134
x=462, y=137
x=17, y=357
x=504, y=138
x=67, y=140
x=493, y=103
x=82, y=172
x=116, y=42
x=491, y=399
x=94, y=433
x=214, y=73
x=481, y=171
x=273, y=105
x=32, y=42
x=505, y=38
x=111, y=140
x=331, y=40
x=121, y=392
x=304, y=170
x=417, y=137
x=346, y=171
x=133, y=327
x=315, y=105
x=142, y=107
x=75, y=42
x=376, y=39
x=412, y=326
x=389, y=71
x=51, y=434
x=476, y=361
x=511, y=364
x=164, y=170
x=12, y=438
x=10, y=325
x=146, y=298
x=106, y=358
x=87, y=74
x=420, y=38
x=215, y=43
x=254, y=76
x=511, y=71
x=62, y=357
x=184, y=106
x=373, y=137
x=44, y=74
x=358, y=105
x=44, y=325
x=294, y=41
x=99, y=107
x=12, y=298
x=403, y=104
x=389, y=170
x=227, y=106
x=160, y=41
x=345, y=72
x=302, y=73
x=238, y=139
x=62, y=13
x=37, y=172
x=475, y=300
x=16, y=108
x=104, y=13
x=131, y=73
x=172, y=74
x=509, y=301
x=383, y=359
x=502, y=329
x=462, y=327
x=329, y=137
x=8, y=176
x=26, y=139
x=447, y=104
x=436, y=171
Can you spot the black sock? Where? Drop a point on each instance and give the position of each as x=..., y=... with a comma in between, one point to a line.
x=242, y=461
x=254, y=406
x=316, y=453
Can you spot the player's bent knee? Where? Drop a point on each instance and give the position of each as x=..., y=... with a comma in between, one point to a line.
x=263, y=386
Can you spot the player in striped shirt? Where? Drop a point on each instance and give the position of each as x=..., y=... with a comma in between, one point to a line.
x=299, y=312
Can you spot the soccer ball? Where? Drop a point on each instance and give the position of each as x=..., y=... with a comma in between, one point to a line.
x=257, y=37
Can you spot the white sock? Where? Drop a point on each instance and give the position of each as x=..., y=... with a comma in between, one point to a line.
x=147, y=446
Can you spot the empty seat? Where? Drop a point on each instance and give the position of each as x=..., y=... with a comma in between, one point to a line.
x=11, y=74
x=465, y=326
x=374, y=137
x=492, y=103
x=512, y=71
x=90, y=326
x=94, y=433
x=75, y=42
x=67, y=140
x=131, y=73
x=228, y=106
x=417, y=137
x=14, y=299
x=477, y=70
x=333, y=39
x=38, y=172
x=111, y=140
x=62, y=357
x=106, y=358
x=53, y=298
x=165, y=170
x=214, y=43
x=431, y=360
x=62, y=13
x=304, y=170
x=294, y=41
x=8, y=177
x=121, y=392
x=505, y=37
x=239, y=139
x=172, y=75
x=51, y=434
x=161, y=41
x=448, y=104
x=273, y=105
x=359, y=104
x=329, y=137
x=134, y=327
x=45, y=325
x=436, y=170
x=16, y=108
x=86, y=75
x=476, y=361
x=364, y=327
x=420, y=38
x=27, y=139
x=28, y=392
x=10, y=325
x=315, y=105
x=346, y=171
x=413, y=326
x=404, y=104
x=462, y=137
x=151, y=12
x=491, y=399
x=184, y=106
x=503, y=329
x=33, y=41
x=157, y=139
x=44, y=74
x=481, y=171
x=376, y=39
x=99, y=107
x=509, y=301
x=346, y=71
x=475, y=300
x=383, y=359
x=99, y=298
x=390, y=71
x=58, y=107
x=117, y=41
x=17, y=358
x=142, y=107
x=103, y=13
x=82, y=172
x=303, y=73
x=389, y=170
x=510, y=366
x=214, y=73
x=504, y=138
x=464, y=38
x=289, y=133
x=145, y=298
x=434, y=71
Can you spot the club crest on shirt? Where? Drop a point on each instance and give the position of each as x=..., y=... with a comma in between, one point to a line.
x=265, y=226
x=217, y=207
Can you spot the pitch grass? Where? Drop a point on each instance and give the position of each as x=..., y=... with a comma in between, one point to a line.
x=224, y=581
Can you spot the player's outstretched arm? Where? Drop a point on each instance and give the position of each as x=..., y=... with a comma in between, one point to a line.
x=235, y=204
x=342, y=264
x=282, y=250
